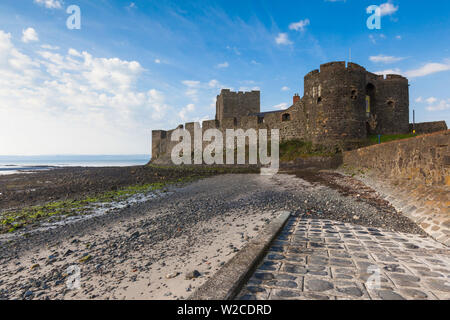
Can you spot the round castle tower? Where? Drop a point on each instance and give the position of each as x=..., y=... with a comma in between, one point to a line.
x=346, y=103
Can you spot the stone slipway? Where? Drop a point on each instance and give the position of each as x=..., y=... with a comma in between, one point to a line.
x=428, y=206
x=228, y=281
x=321, y=259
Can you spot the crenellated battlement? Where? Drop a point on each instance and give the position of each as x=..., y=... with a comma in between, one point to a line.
x=231, y=104
x=342, y=104
x=331, y=68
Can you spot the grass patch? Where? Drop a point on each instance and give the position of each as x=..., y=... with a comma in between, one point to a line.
x=390, y=137
x=293, y=149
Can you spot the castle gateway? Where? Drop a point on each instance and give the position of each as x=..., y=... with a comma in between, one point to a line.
x=342, y=105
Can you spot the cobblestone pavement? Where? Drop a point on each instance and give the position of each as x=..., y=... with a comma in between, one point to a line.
x=323, y=259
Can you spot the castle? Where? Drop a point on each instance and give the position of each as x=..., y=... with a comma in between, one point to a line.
x=342, y=105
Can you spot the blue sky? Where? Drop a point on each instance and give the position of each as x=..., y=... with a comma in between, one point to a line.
x=140, y=65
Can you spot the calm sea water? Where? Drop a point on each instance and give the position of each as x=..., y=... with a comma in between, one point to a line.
x=18, y=164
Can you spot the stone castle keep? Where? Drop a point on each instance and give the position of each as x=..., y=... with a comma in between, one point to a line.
x=342, y=104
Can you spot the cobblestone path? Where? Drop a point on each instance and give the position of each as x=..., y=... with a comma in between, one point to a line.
x=323, y=259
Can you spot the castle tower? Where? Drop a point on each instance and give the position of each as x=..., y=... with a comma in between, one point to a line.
x=335, y=102
x=236, y=104
x=391, y=105
x=347, y=103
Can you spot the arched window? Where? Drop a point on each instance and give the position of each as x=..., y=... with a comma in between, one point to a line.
x=286, y=117
x=370, y=89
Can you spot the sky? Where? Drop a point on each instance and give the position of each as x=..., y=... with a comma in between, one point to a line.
x=137, y=66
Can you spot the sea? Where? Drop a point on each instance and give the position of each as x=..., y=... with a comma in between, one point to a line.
x=26, y=164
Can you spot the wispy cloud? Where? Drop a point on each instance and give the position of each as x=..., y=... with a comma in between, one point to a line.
x=50, y=4
x=385, y=59
x=440, y=106
x=214, y=84
x=388, y=8
x=425, y=70
x=299, y=26
x=283, y=39
x=428, y=69
x=223, y=65
x=78, y=95
x=434, y=104
x=389, y=71
x=49, y=47
x=29, y=35
x=188, y=109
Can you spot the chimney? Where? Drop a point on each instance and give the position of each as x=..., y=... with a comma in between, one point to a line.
x=296, y=98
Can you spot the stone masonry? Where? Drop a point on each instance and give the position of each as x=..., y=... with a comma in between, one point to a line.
x=342, y=104
x=327, y=260
x=413, y=174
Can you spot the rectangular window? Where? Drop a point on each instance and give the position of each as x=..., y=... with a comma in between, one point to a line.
x=367, y=104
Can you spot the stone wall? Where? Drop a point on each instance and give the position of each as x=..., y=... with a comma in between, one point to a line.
x=413, y=175
x=424, y=159
x=331, y=113
x=428, y=127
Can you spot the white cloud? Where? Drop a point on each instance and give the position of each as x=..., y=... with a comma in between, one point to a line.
x=388, y=9
x=191, y=83
x=385, y=59
x=431, y=100
x=223, y=65
x=428, y=69
x=441, y=105
x=66, y=103
x=283, y=39
x=158, y=61
x=214, y=84
x=246, y=89
x=192, y=91
x=434, y=104
x=29, y=35
x=50, y=4
x=188, y=109
x=425, y=70
x=399, y=37
x=74, y=53
x=299, y=26
x=285, y=88
x=49, y=47
x=389, y=71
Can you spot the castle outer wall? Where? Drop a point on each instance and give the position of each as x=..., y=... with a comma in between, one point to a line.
x=342, y=105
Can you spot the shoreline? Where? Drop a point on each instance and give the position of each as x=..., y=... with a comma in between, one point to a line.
x=166, y=247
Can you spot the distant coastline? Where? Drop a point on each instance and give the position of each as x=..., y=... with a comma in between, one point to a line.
x=24, y=164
